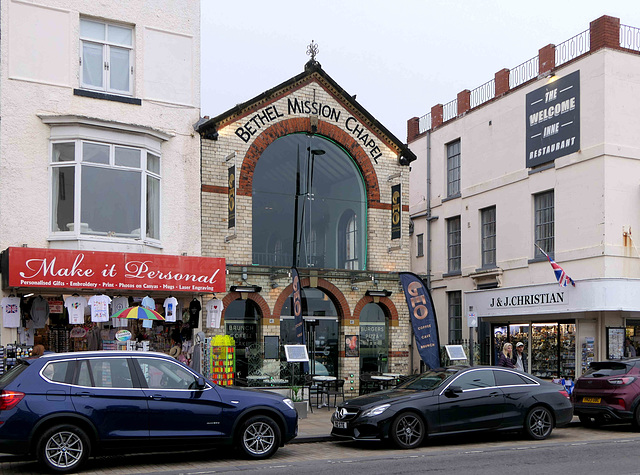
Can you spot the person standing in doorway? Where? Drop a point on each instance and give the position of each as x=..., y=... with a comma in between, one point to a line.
x=506, y=357
x=520, y=358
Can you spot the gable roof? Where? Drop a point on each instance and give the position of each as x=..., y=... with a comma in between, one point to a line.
x=312, y=71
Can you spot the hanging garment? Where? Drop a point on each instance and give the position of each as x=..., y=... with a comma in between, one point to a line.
x=149, y=303
x=99, y=308
x=75, y=305
x=10, y=312
x=39, y=312
x=170, y=309
x=194, y=313
x=214, y=313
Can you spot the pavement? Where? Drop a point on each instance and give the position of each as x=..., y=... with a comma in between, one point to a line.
x=316, y=427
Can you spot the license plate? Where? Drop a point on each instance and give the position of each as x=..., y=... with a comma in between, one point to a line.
x=594, y=400
x=340, y=425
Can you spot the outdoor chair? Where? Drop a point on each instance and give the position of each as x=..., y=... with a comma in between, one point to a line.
x=335, y=389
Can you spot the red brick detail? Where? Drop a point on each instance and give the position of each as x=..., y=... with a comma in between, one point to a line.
x=399, y=354
x=502, y=82
x=413, y=128
x=330, y=131
x=257, y=298
x=215, y=189
x=604, y=33
x=546, y=59
x=386, y=302
x=436, y=116
x=464, y=101
x=387, y=206
x=337, y=297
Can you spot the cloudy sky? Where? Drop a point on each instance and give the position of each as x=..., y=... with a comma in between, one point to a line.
x=400, y=57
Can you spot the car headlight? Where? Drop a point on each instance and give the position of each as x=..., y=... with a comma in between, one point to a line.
x=375, y=411
x=289, y=403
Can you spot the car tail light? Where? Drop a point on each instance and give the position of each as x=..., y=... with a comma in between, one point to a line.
x=622, y=381
x=622, y=404
x=9, y=399
x=565, y=393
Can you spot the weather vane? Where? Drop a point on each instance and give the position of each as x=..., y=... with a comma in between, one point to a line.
x=312, y=50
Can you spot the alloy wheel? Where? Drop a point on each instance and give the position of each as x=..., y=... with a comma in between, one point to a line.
x=258, y=438
x=409, y=431
x=540, y=423
x=64, y=449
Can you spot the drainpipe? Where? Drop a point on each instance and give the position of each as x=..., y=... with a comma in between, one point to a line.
x=429, y=217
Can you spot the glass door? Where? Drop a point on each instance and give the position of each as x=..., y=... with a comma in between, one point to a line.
x=544, y=350
x=567, y=350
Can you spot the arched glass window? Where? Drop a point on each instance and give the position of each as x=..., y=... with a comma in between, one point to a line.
x=327, y=185
x=241, y=322
x=321, y=327
x=374, y=339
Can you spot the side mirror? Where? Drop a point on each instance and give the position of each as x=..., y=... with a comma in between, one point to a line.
x=453, y=391
x=200, y=383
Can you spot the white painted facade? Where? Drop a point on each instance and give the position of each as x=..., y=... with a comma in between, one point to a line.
x=596, y=204
x=42, y=100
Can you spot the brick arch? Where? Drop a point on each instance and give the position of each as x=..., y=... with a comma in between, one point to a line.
x=384, y=301
x=334, y=293
x=256, y=297
x=325, y=129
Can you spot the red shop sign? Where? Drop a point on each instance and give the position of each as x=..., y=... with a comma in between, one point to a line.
x=63, y=269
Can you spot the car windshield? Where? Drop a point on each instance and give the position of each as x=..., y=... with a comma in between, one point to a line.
x=606, y=368
x=428, y=380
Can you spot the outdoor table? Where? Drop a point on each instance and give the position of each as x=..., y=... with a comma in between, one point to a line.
x=322, y=382
x=255, y=379
x=384, y=380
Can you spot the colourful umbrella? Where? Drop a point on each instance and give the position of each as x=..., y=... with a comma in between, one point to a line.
x=140, y=313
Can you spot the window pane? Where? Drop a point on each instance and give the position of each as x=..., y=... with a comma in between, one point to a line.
x=119, y=35
x=453, y=244
x=455, y=316
x=153, y=208
x=95, y=153
x=110, y=202
x=544, y=223
x=92, y=30
x=63, y=189
x=476, y=379
x=488, y=236
x=162, y=374
x=153, y=163
x=59, y=371
x=92, y=65
x=119, y=69
x=111, y=373
x=63, y=152
x=127, y=157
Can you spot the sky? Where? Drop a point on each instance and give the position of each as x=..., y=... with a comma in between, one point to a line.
x=400, y=57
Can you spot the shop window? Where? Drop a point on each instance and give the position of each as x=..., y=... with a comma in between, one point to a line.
x=453, y=245
x=488, y=223
x=374, y=339
x=105, y=189
x=241, y=319
x=329, y=193
x=453, y=169
x=106, y=56
x=544, y=224
x=455, y=316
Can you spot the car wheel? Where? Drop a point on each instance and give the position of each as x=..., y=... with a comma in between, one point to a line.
x=259, y=437
x=636, y=418
x=63, y=448
x=407, y=430
x=539, y=423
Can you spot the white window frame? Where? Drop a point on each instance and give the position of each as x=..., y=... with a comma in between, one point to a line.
x=67, y=129
x=107, y=45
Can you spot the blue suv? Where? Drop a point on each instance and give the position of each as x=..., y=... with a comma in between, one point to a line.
x=62, y=408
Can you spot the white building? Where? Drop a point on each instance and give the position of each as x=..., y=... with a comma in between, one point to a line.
x=547, y=154
x=98, y=101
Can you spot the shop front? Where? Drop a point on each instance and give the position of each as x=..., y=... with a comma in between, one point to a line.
x=563, y=329
x=65, y=300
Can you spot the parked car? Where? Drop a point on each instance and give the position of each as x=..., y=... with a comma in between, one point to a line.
x=62, y=408
x=455, y=400
x=609, y=391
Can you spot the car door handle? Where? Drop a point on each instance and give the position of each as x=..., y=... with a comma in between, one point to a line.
x=83, y=394
x=157, y=397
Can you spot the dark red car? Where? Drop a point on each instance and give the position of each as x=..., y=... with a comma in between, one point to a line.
x=608, y=392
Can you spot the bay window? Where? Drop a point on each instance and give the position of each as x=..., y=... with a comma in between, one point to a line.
x=105, y=189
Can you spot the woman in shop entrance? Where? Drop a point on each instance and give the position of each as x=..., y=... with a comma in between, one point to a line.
x=506, y=357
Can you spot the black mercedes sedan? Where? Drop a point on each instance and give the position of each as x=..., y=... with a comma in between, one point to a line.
x=455, y=400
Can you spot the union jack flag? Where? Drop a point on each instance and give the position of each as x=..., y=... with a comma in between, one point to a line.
x=561, y=276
